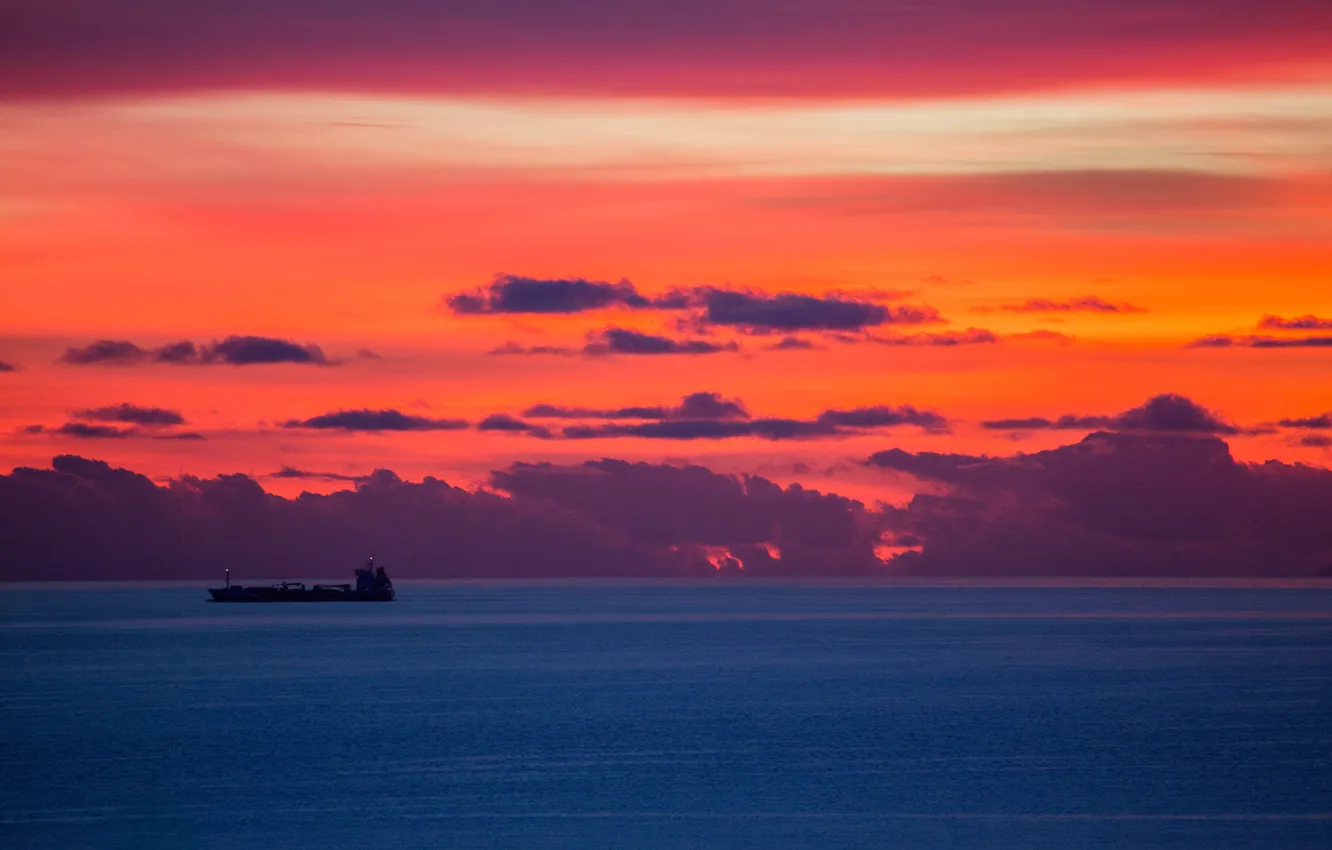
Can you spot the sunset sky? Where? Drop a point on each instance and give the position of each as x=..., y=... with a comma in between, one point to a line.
x=380, y=224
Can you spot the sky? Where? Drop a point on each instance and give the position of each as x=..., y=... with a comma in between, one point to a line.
x=820, y=246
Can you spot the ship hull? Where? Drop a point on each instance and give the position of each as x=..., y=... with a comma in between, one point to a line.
x=277, y=594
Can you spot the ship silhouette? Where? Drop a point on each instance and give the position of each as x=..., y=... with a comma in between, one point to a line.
x=372, y=585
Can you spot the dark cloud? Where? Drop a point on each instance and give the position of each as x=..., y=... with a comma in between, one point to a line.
x=83, y=519
x=88, y=431
x=1298, y=323
x=692, y=406
x=154, y=422
x=793, y=343
x=249, y=350
x=1323, y=421
x=612, y=341
x=883, y=416
x=1167, y=412
x=667, y=506
x=1227, y=341
x=85, y=431
x=709, y=406
x=1133, y=503
x=830, y=423
x=105, y=351
x=148, y=417
x=292, y=473
x=1316, y=441
x=1089, y=303
x=706, y=308
x=375, y=420
x=367, y=354
x=7, y=367
x=1170, y=412
x=1216, y=341
x=555, y=411
x=1299, y=342
x=624, y=341
x=177, y=352
x=516, y=294
x=505, y=422
x=706, y=429
x=233, y=351
x=758, y=312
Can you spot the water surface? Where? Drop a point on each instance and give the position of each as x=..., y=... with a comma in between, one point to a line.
x=670, y=715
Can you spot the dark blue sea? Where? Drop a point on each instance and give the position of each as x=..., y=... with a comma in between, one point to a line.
x=650, y=715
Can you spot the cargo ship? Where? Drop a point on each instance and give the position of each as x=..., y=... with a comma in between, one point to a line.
x=372, y=585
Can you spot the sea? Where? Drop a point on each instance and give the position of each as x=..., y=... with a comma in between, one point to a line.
x=646, y=714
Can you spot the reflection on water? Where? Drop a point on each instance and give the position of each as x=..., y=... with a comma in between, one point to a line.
x=586, y=714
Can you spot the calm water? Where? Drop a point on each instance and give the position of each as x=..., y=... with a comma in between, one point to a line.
x=670, y=715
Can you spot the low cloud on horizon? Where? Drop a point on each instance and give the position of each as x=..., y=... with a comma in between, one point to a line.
x=1163, y=500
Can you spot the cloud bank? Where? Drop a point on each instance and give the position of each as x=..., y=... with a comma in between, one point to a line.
x=1127, y=504
x=1132, y=503
x=83, y=519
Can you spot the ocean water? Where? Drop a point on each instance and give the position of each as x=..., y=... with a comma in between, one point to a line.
x=625, y=715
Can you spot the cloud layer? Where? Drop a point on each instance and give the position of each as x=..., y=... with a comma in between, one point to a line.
x=1132, y=503
x=1164, y=413
x=692, y=406
x=149, y=417
x=127, y=421
x=375, y=420
x=708, y=416
x=704, y=309
x=83, y=519
x=232, y=351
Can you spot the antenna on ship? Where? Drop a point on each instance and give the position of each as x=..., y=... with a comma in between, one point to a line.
x=228, y=578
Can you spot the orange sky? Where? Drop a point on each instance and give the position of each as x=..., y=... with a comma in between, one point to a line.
x=345, y=220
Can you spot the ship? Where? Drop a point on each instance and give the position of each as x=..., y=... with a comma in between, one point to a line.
x=372, y=585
